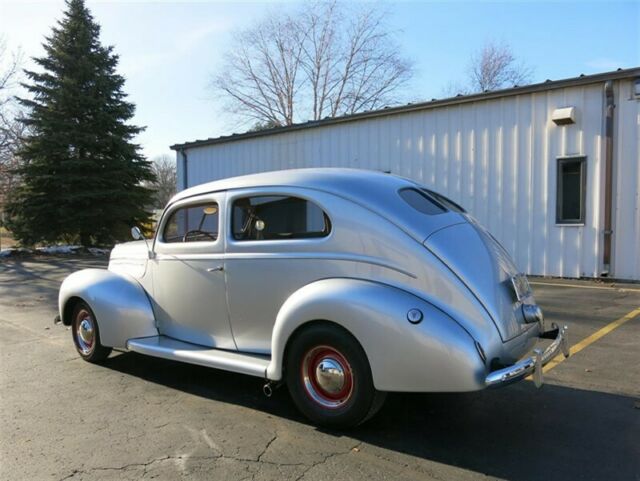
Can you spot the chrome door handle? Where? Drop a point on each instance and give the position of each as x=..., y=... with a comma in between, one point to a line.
x=215, y=269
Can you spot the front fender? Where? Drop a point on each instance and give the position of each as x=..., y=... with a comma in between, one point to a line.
x=119, y=302
x=435, y=355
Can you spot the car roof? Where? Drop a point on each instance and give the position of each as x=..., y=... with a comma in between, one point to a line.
x=356, y=183
x=377, y=191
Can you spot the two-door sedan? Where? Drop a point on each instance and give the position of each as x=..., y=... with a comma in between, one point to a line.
x=343, y=284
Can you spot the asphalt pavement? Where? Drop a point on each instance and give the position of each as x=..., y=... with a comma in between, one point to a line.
x=135, y=417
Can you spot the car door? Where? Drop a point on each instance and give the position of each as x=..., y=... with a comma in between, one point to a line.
x=275, y=238
x=188, y=273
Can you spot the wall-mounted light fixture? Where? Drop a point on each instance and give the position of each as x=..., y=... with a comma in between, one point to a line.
x=564, y=116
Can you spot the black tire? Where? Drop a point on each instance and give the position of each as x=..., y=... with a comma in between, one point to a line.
x=92, y=351
x=347, y=403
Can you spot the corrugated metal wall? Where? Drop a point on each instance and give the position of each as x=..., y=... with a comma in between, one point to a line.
x=626, y=245
x=495, y=157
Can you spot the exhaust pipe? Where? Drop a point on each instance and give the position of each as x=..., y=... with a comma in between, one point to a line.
x=267, y=389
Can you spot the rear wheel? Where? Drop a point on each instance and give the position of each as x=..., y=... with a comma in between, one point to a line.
x=329, y=377
x=86, y=335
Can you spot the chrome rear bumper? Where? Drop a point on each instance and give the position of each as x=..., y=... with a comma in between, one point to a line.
x=533, y=364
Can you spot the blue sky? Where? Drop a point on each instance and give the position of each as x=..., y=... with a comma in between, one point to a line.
x=170, y=50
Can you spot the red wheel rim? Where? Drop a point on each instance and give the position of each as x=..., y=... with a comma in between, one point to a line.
x=327, y=377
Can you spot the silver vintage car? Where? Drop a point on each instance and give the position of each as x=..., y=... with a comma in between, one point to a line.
x=343, y=284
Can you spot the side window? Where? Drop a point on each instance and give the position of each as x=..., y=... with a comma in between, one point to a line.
x=278, y=217
x=195, y=223
x=570, y=193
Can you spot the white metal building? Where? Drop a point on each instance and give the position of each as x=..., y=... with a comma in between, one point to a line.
x=551, y=169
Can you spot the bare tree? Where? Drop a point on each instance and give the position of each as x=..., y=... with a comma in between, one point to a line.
x=11, y=129
x=164, y=168
x=495, y=66
x=324, y=60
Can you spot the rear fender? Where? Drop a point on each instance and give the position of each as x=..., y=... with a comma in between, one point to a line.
x=435, y=355
x=119, y=302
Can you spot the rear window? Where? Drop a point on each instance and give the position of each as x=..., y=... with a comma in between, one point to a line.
x=421, y=202
x=448, y=203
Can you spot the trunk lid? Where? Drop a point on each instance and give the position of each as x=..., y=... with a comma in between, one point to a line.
x=485, y=267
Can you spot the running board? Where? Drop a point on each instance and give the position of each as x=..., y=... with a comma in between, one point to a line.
x=168, y=348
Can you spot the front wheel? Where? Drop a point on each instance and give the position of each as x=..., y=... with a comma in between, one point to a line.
x=86, y=335
x=329, y=377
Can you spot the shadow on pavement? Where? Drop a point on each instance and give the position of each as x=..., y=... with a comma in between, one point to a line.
x=517, y=433
x=39, y=277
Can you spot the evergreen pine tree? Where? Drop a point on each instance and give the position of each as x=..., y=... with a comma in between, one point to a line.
x=82, y=174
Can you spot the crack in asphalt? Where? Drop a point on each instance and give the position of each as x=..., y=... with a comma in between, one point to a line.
x=269, y=443
x=121, y=468
x=216, y=457
x=327, y=458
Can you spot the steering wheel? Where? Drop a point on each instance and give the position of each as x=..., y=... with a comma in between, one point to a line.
x=197, y=232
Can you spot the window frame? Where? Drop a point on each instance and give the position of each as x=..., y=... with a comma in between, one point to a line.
x=204, y=247
x=271, y=193
x=187, y=207
x=444, y=201
x=560, y=162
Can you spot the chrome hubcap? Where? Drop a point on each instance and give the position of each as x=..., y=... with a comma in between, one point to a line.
x=327, y=377
x=85, y=334
x=330, y=375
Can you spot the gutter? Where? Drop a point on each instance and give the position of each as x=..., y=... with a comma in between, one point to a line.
x=609, y=107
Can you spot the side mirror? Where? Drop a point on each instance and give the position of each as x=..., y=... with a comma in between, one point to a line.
x=136, y=233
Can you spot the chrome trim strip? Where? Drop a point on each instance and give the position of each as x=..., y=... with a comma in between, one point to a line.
x=329, y=256
x=532, y=364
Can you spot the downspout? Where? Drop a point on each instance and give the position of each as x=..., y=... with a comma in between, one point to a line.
x=185, y=169
x=185, y=183
x=608, y=176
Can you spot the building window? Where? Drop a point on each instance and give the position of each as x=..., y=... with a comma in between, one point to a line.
x=195, y=223
x=571, y=190
x=278, y=217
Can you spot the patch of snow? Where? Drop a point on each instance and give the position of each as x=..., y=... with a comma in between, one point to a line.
x=97, y=251
x=62, y=249
x=59, y=249
x=13, y=251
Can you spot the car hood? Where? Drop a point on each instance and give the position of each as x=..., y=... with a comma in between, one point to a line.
x=130, y=258
x=130, y=250
x=485, y=267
